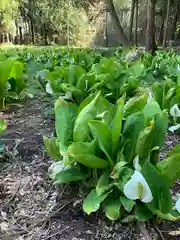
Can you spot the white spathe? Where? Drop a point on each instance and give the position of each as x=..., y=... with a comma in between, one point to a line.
x=137, y=188
x=175, y=111
x=177, y=204
x=174, y=128
x=48, y=88
x=136, y=164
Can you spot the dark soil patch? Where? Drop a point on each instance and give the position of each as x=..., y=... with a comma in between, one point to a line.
x=31, y=208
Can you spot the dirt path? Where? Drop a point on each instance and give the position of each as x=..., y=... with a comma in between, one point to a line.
x=31, y=208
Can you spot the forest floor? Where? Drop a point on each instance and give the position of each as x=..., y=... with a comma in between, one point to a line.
x=31, y=208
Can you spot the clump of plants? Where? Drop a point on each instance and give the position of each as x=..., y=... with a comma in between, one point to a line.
x=113, y=149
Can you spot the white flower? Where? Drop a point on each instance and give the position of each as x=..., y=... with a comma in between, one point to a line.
x=177, y=204
x=175, y=111
x=48, y=88
x=174, y=128
x=136, y=164
x=137, y=188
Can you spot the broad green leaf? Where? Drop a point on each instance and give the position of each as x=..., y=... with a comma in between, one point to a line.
x=117, y=125
x=70, y=175
x=167, y=98
x=162, y=200
x=92, y=201
x=132, y=128
x=85, y=102
x=172, y=216
x=123, y=177
x=2, y=126
x=102, y=133
x=85, y=82
x=175, y=150
x=82, y=148
x=52, y=148
x=74, y=73
x=65, y=114
x=142, y=213
x=18, y=74
x=161, y=125
x=150, y=110
x=91, y=161
x=170, y=168
x=67, y=87
x=112, y=206
x=128, y=204
x=81, y=128
x=134, y=104
x=5, y=70
x=157, y=89
x=103, y=184
x=144, y=142
x=117, y=169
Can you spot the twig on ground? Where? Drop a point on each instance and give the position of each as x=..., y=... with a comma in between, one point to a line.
x=160, y=233
x=56, y=233
x=144, y=231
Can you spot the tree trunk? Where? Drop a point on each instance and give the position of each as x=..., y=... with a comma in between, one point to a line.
x=174, y=24
x=150, y=30
x=32, y=31
x=160, y=36
x=20, y=35
x=166, y=24
x=136, y=25
x=117, y=23
x=131, y=22
x=45, y=35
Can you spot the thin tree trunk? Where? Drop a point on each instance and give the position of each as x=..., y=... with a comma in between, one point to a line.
x=131, y=22
x=45, y=35
x=150, y=30
x=20, y=35
x=166, y=24
x=160, y=35
x=117, y=23
x=174, y=24
x=32, y=31
x=136, y=23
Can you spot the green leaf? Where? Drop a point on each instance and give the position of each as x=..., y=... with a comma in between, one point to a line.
x=116, y=170
x=135, y=104
x=123, y=177
x=170, y=168
x=157, y=89
x=91, y=161
x=102, y=133
x=67, y=87
x=142, y=213
x=65, y=114
x=81, y=128
x=17, y=72
x=52, y=148
x=82, y=148
x=175, y=150
x=162, y=200
x=167, y=99
x=150, y=110
x=112, y=206
x=70, y=175
x=103, y=184
x=161, y=125
x=74, y=73
x=128, y=204
x=2, y=126
x=172, y=216
x=132, y=128
x=117, y=125
x=144, y=142
x=92, y=201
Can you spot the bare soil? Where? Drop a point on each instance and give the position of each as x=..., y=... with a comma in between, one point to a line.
x=31, y=208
